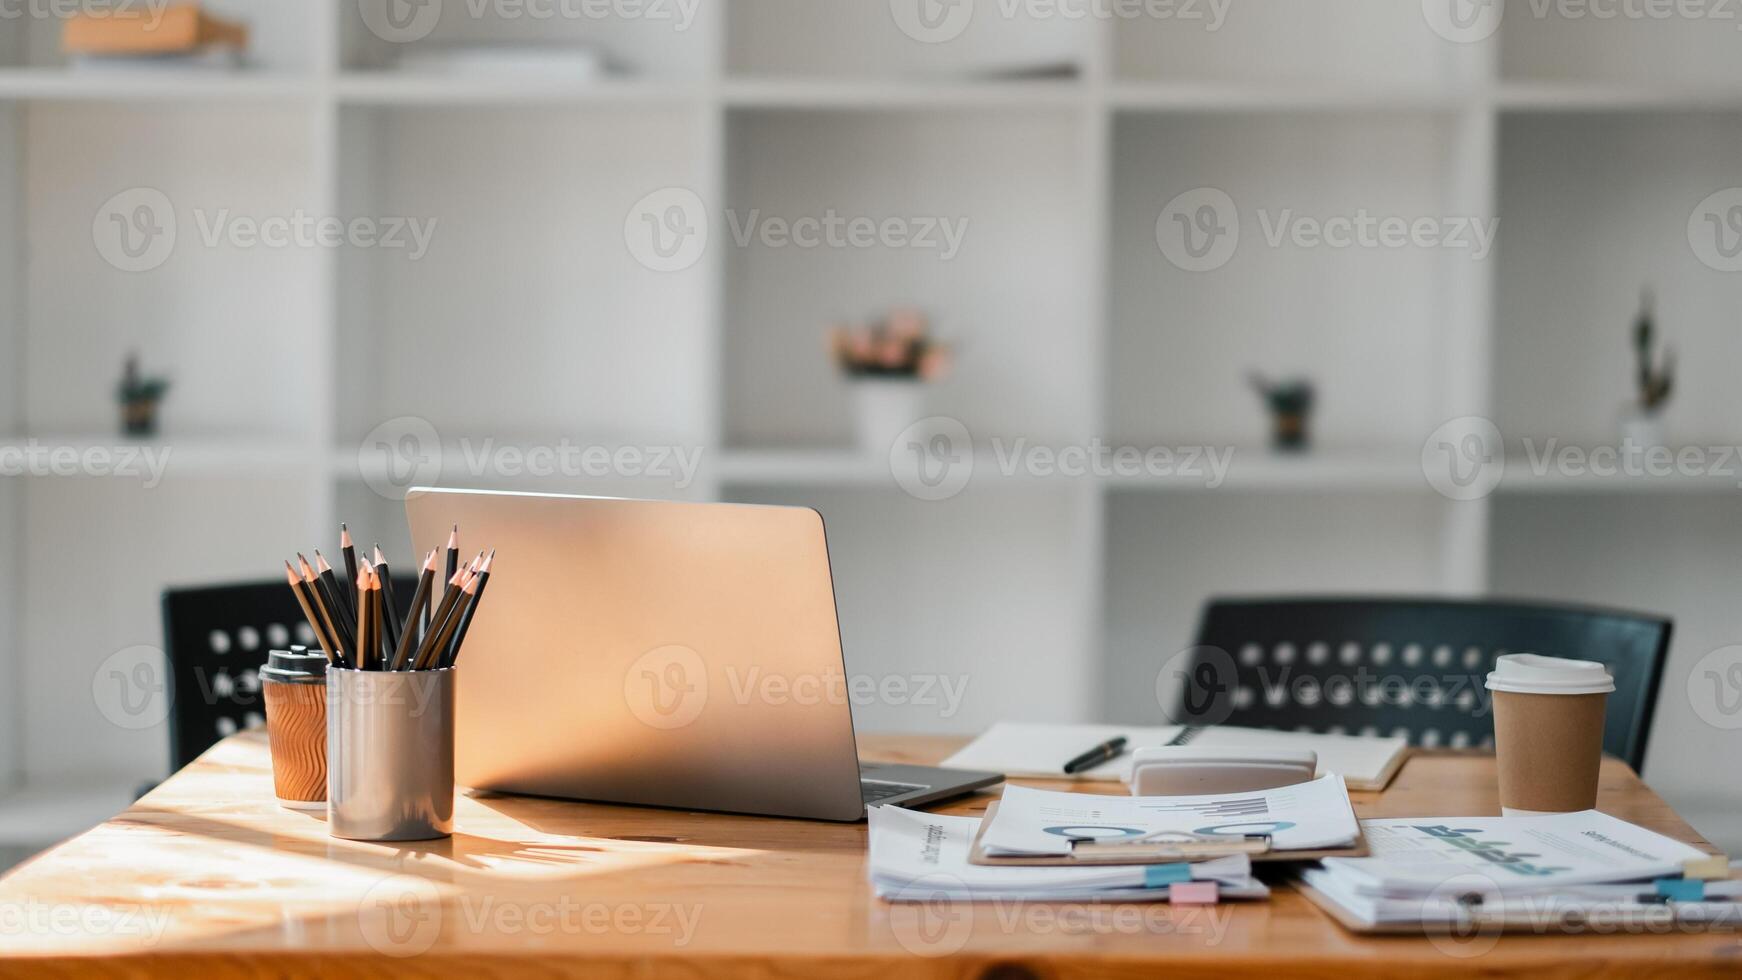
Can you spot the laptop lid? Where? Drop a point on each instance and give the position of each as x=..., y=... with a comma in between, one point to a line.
x=650, y=652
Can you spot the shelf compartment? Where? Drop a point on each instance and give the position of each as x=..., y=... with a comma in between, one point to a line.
x=1367, y=324
x=1595, y=209
x=530, y=209
x=1009, y=291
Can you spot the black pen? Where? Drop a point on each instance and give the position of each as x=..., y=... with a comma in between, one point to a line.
x=1109, y=749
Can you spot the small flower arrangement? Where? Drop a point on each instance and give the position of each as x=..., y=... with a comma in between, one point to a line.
x=899, y=348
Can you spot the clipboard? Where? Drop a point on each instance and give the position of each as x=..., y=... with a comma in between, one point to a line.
x=1161, y=852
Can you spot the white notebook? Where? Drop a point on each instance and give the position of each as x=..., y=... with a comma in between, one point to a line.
x=1041, y=750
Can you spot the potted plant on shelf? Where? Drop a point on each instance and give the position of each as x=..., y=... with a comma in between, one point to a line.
x=1654, y=378
x=1290, y=404
x=888, y=365
x=139, y=397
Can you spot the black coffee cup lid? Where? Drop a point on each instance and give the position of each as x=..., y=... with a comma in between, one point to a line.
x=298, y=665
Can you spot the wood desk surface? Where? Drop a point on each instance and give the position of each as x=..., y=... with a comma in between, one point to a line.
x=207, y=877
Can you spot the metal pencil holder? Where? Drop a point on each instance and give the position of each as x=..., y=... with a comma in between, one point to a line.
x=390, y=754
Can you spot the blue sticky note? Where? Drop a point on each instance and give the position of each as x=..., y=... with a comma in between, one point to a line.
x=1681, y=889
x=1157, y=875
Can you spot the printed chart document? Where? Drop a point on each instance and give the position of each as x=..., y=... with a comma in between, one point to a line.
x=1041, y=750
x=922, y=856
x=1523, y=871
x=1416, y=856
x=1307, y=816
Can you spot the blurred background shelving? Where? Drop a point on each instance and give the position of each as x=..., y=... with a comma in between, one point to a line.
x=529, y=320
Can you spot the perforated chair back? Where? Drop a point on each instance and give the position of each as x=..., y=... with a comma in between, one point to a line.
x=216, y=639
x=1410, y=667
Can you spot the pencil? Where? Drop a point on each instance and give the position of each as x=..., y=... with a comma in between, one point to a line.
x=365, y=622
x=427, y=648
x=334, y=634
x=443, y=637
x=349, y=550
x=326, y=589
x=302, y=599
x=419, y=599
x=330, y=582
x=475, y=595
x=390, y=622
x=448, y=570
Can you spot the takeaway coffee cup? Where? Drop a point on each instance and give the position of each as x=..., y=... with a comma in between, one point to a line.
x=294, y=683
x=1548, y=732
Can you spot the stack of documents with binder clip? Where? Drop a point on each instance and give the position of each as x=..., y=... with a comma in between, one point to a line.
x=923, y=857
x=1037, y=827
x=1522, y=872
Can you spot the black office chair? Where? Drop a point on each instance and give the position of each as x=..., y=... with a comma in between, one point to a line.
x=216, y=640
x=1408, y=667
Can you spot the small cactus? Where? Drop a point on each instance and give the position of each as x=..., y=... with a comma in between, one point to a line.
x=1656, y=379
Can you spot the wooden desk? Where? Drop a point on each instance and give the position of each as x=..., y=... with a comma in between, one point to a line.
x=207, y=877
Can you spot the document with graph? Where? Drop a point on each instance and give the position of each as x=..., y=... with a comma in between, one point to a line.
x=1309, y=816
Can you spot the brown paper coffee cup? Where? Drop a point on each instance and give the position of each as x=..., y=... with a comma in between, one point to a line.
x=1548, y=732
x=295, y=690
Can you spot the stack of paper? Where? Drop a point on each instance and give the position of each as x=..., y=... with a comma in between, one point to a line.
x=1308, y=816
x=1526, y=869
x=1041, y=750
x=920, y=857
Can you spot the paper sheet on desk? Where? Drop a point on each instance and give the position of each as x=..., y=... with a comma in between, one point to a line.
x=1305, y=816
x=1041, y=750
x=917, y=856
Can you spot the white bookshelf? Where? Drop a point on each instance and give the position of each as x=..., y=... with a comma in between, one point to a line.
x=529, y=320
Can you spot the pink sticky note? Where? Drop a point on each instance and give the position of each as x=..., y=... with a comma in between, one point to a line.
x=1193, y=893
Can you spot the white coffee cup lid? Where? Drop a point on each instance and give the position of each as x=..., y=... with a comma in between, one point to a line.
x=1530, y=673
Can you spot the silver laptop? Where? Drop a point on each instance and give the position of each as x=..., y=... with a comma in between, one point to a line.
x=660, y=653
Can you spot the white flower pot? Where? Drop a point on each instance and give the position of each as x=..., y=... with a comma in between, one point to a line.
x=883, y=409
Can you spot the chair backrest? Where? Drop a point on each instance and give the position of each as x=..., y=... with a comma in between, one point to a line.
x=1405, y=666
x=216, y=639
